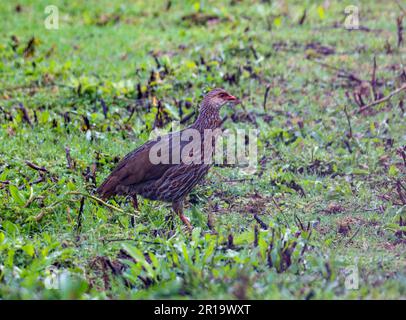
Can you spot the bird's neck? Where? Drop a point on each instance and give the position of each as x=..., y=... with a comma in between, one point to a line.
x=209, y=118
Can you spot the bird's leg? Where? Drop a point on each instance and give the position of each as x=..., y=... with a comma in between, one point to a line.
x=135, y=205
x=135, y=202
x=178, y=208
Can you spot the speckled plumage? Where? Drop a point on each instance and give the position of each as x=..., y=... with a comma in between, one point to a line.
x=171, y=182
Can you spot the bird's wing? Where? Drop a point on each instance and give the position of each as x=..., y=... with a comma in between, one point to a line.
x=137, y=167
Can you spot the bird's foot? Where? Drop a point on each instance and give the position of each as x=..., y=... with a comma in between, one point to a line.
x=186, y=221
x=135, y=203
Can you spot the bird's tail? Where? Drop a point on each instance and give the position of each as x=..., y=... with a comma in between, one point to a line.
x=108, y=188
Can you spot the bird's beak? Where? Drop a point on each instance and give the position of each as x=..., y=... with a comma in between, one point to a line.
x=233, y=99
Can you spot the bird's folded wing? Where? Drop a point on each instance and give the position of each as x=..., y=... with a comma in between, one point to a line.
x=138, y=166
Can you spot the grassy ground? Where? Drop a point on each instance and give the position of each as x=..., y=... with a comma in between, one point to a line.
x=329, y=193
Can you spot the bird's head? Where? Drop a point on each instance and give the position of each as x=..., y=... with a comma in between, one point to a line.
x=218, y=98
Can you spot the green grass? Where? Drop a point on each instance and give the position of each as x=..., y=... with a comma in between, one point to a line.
x=331, y=194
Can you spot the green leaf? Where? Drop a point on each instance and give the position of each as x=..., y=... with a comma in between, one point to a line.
x=140, y=258
x=172, y=111
x=17, y=195
x=321, y=12
x=277, y=22
x=154, y=260
x=71, y=186
x=29, y=249
x=190, y=64
x=209, y=251
x=196, y=236
x=393, y=171
x=263, y=246
x=2, y=237
x=196, y=6
x=185, y=253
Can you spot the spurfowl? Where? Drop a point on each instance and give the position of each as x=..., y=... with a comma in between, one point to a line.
x=139, y=173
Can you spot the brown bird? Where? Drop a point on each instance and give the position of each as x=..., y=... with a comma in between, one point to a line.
x=139, y=173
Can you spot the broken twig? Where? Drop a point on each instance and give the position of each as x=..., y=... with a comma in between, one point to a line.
x=79, y=224
x=266, y=95
x=261, y=223
x=379, y=101
x=35, y=167
x=71, y=164
x=341, y=72
x=96, y=199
